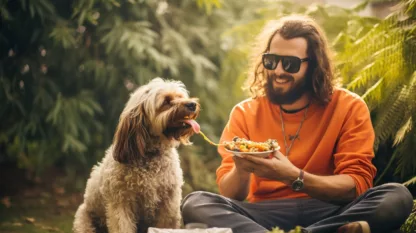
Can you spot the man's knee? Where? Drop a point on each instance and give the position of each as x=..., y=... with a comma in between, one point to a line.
x=397, y=204
x=192, y=203
x=399, y=196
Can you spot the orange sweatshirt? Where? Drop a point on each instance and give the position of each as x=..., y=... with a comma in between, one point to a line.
x=334, y=139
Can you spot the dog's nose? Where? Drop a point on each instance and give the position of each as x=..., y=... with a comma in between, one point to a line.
x=191, y=106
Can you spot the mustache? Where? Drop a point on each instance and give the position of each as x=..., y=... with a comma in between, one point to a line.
x=282, y=76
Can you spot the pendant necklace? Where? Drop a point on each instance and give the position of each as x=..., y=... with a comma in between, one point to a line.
x=297, y=132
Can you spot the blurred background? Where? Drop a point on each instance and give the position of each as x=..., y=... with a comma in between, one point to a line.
x=67, y=68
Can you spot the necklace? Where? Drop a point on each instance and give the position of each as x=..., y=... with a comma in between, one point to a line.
x=297, y=132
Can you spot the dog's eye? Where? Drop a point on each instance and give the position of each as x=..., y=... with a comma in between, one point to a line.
x=167, y=101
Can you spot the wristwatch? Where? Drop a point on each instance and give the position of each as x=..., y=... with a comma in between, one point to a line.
x=297, y=185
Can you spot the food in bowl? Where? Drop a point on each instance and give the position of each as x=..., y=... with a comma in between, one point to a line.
x=244, y=145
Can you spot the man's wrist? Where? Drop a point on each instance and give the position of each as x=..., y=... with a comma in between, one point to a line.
x=292, y=176
x=298, y=184
x=243, y=175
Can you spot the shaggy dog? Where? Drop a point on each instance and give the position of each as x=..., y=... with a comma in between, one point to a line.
x=138, y=183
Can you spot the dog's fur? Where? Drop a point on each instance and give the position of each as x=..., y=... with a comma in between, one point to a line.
x=138, y=184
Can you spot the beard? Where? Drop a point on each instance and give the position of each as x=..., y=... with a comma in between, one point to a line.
x=278, y=96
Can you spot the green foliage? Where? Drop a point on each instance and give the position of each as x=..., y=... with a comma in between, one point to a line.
x=278, y=230
x=380, y=65
x=410, y=224
x=410, y=182
x=67, y=68
x=208, y=5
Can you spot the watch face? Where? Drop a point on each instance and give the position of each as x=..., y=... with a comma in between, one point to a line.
x=297, y=185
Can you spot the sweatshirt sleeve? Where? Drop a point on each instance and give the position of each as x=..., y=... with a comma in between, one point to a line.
x=354, y=151
x=236, y=126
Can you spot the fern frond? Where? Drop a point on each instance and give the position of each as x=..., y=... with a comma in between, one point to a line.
x=81, y=9
x=367, y=74
x=65, y=36
x=42, y=8
x=122, y=36
x=406, y=164
x=400, y=135
x=384, y=42
x=4, y=12
x=410, y=182
x=361, y=6
x=161, y=61
x=410, y=6
x=374, y=93
x=72, y=143
x=369, y=43
x=389, y=117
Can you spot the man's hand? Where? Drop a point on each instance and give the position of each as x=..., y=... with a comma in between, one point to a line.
x=235, y=184
x=276, y=167
x=333, y=188
x=242, y=166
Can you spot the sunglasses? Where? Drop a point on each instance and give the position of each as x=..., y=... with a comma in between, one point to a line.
x=290, y=64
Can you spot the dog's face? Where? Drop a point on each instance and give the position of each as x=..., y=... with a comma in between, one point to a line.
x=172, y=112
x=160, y=109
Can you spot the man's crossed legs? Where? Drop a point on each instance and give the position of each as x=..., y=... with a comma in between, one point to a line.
x=384, y=208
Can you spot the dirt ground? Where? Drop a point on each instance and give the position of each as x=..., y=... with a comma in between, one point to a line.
x=48, y=203
x=45, y=204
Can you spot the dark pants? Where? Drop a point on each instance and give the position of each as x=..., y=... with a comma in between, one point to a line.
x=384, y=207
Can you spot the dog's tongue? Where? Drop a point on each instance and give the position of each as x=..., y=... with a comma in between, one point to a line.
x=194, y=124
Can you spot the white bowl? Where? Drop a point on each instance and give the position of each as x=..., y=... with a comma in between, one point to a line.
x=257, y=154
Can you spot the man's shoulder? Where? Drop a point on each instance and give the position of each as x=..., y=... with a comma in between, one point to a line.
x=251, y=103
x=346, y=96
x=250, y=107
x=348, y=101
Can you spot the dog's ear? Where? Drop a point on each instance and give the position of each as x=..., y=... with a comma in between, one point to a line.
x=130, y=138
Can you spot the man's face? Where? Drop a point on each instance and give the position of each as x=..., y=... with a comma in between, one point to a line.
x=283, y=87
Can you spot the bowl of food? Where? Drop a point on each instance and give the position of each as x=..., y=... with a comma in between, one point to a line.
x=239, y=146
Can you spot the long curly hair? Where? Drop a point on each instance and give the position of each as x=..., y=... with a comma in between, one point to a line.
x=320, y=74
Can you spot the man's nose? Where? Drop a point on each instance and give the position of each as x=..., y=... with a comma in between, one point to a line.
x=191, y=106
x=279, y=69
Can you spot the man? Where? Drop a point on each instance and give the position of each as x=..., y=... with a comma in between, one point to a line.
x=322, y=177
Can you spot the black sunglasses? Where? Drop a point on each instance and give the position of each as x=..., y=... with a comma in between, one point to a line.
x=290, y=64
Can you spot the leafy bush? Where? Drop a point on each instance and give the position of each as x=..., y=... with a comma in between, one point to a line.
x=67, y=68
x=410, y=225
